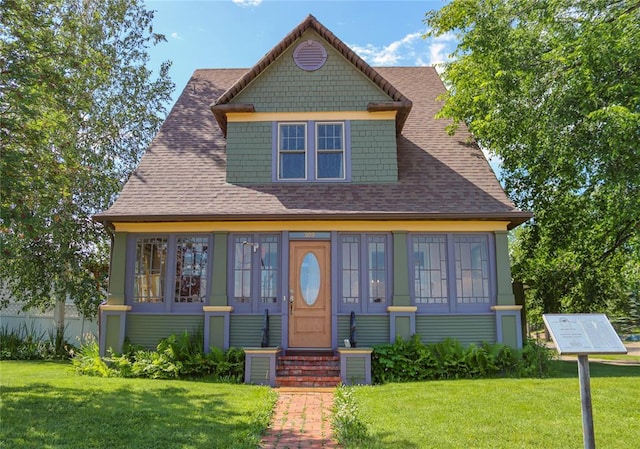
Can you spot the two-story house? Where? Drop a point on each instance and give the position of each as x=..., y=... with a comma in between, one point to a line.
x=311, y=186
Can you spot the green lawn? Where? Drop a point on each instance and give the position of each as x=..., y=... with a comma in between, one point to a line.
x=504, y=413
x=47, y=405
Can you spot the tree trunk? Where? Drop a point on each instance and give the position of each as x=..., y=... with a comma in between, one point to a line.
x=58, y=316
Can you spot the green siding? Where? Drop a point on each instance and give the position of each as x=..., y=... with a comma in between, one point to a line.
x=246, y=330
x=373, y=151
x=465, y=328
x=216, y=331
x=509, y=331
x=219, y=279
x=336, y=86
x=148, y=330
x=403, y=327
x=112, y=338
x=503, y=268
x=259, y=370
x=370, y=330
x=249, y=152
x=355, y=370
x=117, y=270
x=401, y=295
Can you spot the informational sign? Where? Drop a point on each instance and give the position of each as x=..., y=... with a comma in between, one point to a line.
x=583, y=333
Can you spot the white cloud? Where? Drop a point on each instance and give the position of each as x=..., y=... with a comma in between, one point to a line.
x=247, y=3
x=390, y=54
x=440, y=48
x=175, y=35
x=411, y=50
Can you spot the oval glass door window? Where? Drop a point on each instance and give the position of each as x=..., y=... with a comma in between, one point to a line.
x=310, y=279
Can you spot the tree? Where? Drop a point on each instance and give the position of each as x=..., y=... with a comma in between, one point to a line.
x=78, y=106
x=551, y=87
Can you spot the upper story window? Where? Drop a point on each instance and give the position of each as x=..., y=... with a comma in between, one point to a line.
x=451, y=273
x=292, y=150
x=364, y=272
x=168, y=272
x=254, y=277
x=312, y=151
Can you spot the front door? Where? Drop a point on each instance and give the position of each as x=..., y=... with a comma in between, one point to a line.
x=309, y=294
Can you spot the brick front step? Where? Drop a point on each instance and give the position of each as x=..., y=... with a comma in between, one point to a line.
x=307, y=381
x=317, y=371
x=308, y=370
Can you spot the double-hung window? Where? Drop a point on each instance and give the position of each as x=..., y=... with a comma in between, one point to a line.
x=169, y=272
x=255, y=273
x=364, y=272
x=312, y=151
x=451, y=273
x=292, y=151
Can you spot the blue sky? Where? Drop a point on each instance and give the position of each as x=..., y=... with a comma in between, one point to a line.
x=237, y=33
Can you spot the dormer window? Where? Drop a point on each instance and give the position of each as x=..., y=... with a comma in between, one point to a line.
x=312, y=151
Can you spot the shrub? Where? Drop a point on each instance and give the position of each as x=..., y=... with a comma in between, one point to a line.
x=177, y=356
x=26, y=343
x=412, y=360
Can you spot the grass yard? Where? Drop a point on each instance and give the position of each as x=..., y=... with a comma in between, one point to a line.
x=504, y=413
x=46, y=405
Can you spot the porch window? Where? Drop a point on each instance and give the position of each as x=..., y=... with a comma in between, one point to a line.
x=255, y=278
x=452, y=273
x=150, y=269
x=430, y=270
x=350, y=247
x=377, y=269
x=168, y=273
x=364, y=272
x=472, y=270
x=191, y=269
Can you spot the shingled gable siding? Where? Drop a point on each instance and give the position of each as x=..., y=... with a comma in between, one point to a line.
x=373, y=152
x=249, y=152
x=336, y=86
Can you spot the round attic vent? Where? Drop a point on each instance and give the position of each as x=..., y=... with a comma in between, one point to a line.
x=310, y=55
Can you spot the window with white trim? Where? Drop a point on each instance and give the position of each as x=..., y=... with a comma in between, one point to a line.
x=451, y=273
x=364, y=272
x=312, y=151
x=255, y=270
x=168, y=272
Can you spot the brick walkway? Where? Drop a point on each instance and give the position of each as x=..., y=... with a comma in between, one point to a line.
x=302, y=419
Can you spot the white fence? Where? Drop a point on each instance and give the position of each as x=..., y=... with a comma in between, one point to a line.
x=12, y=318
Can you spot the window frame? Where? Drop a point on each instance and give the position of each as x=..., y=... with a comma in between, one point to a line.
x=168, y=303
x=453, y=305
x=311, y=151
x=255, y=304
x=365, y=305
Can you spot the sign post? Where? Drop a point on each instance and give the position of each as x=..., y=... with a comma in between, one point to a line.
x=582, y=334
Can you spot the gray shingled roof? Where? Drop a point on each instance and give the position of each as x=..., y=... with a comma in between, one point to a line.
x=182, y=174
x=181, y=177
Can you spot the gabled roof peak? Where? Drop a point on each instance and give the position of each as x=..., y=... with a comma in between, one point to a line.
x=310, y=22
